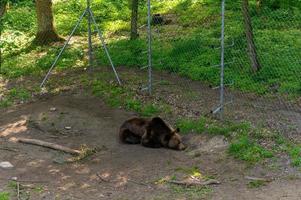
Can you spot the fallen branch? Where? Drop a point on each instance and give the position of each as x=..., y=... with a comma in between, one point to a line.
x=46, y=144
x=8, y=149
x=195, y=183
x=102, y=179
x=138, y=183
x=257, y=179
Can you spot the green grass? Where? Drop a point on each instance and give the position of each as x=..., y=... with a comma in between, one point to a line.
x=209, y=126
x=244, y=148
x=292, y=149
x=4, y=196
x=187, y=47
x=187, y=125
x=117, y=96
x=192, y=192
x=15, y=94
x=244, y=139
x=256, y=184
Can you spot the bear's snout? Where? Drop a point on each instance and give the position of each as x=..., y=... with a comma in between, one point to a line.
x=182, y=147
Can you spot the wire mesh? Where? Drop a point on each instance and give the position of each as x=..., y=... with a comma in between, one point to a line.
x=186, y=41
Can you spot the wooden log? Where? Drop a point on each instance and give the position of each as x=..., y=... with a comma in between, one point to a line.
x=46, y=144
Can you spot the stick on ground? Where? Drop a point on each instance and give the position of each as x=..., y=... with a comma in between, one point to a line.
x=195, y=183
x=46, y=144
x=257, y=179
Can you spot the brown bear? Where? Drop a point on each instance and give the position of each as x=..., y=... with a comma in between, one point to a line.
x=154, y=133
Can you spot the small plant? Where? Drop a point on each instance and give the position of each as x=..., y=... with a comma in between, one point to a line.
x=187, y=125
x=85, y=152
x=4, y=103
x=248, y=150
x=149, y=110
x=256, y=184
x=192, y=192
x=39, y=189
x=191, y=171
x=4, y=196
x=135, y=105
x=295, y=154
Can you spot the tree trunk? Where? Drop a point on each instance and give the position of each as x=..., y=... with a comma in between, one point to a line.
x=250, y=37
x=46, y=31
x=134, y=19
x=2, y=8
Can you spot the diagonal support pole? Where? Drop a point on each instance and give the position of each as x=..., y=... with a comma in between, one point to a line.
x=63, y=48
x=104, y=45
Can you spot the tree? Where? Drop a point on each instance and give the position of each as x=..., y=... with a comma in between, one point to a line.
x=250, y=36
x=134, y=19
x=46, y=32
x=3, y=4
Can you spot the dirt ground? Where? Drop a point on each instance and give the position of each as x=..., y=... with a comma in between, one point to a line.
x=118, y=171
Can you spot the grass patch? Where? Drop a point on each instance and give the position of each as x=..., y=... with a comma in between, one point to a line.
x=290, y=148
x=192, y=192
x=187, y=125
x=4, y=196
x=85, y=153
x=256, y=184
x=192, y=171
x=244, y=148
x=117, y=96
x=210, y=126
x=189, y=51
x=16, y=94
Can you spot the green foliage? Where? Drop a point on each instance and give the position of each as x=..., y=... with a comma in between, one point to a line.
x=149, y=110
x=205, y=125
x=117, y=96
x=256, y=184
x=193, y=192
x=19, y=93
x=4, y=196
x=187, y=125
x=295, y=154
x=248, y=150
x=190, y=50
x=293, y=150
x=14, y=95
x=4, y=103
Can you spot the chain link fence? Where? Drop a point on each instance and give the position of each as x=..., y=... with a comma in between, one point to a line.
x=187, y=42
x=185, y=56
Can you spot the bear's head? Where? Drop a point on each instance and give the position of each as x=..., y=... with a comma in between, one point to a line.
x=175, y=141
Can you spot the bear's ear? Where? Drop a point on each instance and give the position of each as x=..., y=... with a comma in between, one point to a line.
x=157, y=120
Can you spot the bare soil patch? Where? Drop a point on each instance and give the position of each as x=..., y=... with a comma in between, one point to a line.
x=116, y=171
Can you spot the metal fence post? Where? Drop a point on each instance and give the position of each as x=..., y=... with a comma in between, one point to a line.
x=89, y=36
x=150, y=78
x=222, y=61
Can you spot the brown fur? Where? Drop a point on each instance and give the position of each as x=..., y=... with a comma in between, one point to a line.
x=152, y=133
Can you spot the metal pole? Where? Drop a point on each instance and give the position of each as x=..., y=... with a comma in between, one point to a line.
x=222, y=61
x=62, y=50
x=104, y=46
x=90, y=50
x=150, y=78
